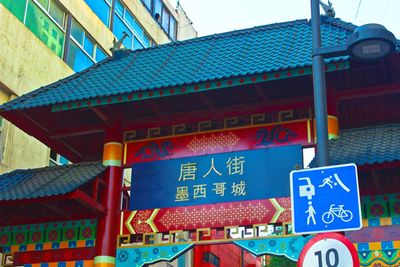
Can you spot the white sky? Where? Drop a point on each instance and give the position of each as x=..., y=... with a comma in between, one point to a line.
x=216, y=16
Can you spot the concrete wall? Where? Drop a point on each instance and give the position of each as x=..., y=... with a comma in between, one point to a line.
x=25, y=64
x=185, y=25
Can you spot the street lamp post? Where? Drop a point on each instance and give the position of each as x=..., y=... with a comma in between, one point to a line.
x=320, y=108
x=369, y=42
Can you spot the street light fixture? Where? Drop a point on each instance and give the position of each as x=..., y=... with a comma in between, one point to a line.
x=371, y=42
x=367, y=43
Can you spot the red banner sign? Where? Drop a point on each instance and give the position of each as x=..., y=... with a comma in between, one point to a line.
x=276, y=210
x=253, y=137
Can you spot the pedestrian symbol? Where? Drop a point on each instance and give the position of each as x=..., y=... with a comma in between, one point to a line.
x=325, y=199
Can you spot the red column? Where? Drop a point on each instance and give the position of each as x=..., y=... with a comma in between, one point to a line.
x=107, y=230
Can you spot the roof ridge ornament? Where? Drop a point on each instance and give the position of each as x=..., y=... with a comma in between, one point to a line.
x=328, y=8
x=117, y=46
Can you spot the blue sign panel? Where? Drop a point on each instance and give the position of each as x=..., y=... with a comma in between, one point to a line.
x=225, y=177
x=325, y=199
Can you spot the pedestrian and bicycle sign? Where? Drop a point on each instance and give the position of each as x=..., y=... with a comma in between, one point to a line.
x=325, y=199
x=329, y=250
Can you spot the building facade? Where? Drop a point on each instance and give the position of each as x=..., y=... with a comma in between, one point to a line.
x=46, y=40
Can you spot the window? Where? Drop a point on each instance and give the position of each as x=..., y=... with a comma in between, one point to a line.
x=157, y=10
x=165, y=19
x=83, y=50
x=162, y=16
x=147, y=3
x=45, y=19
x=172, y=28
x=77, y=32
x=102, y=9
x=56, y=13
x=57, y=159
x=45, y=27
x=124, y=21
x=54, y=10
x=100, y=54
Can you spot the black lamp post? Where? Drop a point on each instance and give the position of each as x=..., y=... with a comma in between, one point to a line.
x=367, y=43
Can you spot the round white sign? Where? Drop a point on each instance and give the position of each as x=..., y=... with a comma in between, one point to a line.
x=328, y=250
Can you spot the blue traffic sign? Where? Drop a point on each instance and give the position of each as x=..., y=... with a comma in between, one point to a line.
x=325, y=199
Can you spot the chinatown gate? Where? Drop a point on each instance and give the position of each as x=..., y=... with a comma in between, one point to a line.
x=186, y=145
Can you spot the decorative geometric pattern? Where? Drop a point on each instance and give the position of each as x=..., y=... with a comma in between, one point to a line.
x=54, y=235
x=281, y=246
x=213, y=143
x=128, y=257
x=374, y=234
x=379, y=253
x=192, y=65
x=84, y=263
x=381, y=206
x=211, y=215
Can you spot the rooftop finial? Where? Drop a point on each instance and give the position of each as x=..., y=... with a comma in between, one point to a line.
x=329, y=11
x=118, y=44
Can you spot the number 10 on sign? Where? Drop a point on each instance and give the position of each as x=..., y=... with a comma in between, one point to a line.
x=329, y=250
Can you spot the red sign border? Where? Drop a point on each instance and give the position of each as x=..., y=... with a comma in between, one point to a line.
x=336, y=236
x=309, y=125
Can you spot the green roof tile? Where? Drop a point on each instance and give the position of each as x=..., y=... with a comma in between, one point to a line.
x=253, y=51
x=372, y=145
x=48, y=181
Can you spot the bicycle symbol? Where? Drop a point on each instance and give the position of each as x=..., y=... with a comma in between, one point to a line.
x=329, y=216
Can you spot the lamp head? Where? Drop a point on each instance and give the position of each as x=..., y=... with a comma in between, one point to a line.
x=371, y=42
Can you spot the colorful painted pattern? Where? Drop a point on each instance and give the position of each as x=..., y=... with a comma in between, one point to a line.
x=54, y=235
x=128, y=257
x=374, y=234
x=381, y=206
x=282, y=246
x=86, y=263
x=379, y=254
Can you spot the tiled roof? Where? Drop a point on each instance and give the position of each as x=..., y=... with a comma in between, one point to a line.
x=48, y=181
x=363, y=146
x=258, y=50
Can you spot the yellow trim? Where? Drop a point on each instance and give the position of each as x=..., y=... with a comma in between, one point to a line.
x=125, y=149
x=214, y=131
x=309, y=131
x=121, y=223
x=128, y=222
x=150, y=221
x=278, y=208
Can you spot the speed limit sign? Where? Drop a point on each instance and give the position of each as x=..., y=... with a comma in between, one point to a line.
x=329, y=250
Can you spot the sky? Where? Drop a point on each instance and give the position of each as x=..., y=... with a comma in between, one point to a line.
x=216, y=16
